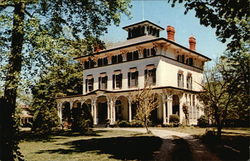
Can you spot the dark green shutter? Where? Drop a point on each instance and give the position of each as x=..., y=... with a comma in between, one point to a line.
x=86, y=86
x=121, y=81
x=136, y=78
x=128, y=79
x=99, y=84
x=113, y=81
x=154, y=75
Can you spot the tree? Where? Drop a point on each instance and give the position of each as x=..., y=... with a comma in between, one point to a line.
x=63, y=79
x=185, y=109
x=218, y=102
x=29, y=30
x=229, y=17
x=146, y=101
x=237, y=67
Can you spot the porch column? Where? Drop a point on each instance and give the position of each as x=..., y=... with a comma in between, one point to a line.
x=182, y=115
x=108, y=109
x=129, y=110
x=112, y=112
x=164, y=110
x=169, y=107
x=59, y=108
x=94, y=111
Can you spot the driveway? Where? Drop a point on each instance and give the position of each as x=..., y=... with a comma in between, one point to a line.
x=198, y=150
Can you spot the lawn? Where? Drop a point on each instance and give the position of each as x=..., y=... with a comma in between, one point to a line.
x=104, y=145
x=200, y=131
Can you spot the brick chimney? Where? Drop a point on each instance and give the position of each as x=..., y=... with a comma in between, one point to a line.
x=98, y=48
x=171, y=32
x=192, y=43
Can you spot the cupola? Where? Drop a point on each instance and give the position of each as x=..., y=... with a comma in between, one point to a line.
x=142, y=29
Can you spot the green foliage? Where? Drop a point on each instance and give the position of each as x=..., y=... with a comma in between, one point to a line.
x=123, y=123
x=237, y=68
x=203, y=121
x=45, y=120
x=82, y=120
x=136, y=123
x=230, y=18
x=174, y=119
x=35, y=35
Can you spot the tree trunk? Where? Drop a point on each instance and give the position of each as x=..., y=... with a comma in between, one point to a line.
x=146, y=126
x=219, y=128
x=9, y=138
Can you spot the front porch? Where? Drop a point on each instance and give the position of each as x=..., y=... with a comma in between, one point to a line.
x=106, y=106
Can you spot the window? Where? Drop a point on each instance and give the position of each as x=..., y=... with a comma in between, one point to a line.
x=102, y=62
x=150, y=75
x=189, y=81
x=180, y=80
x=189, y=61
x=132, y=56
x=149, y=52
x=89, y=64
x=116, y=59
x=103, y=81
x=89, y=83
x=117, y=79
x=133, y=78
x=181, y=58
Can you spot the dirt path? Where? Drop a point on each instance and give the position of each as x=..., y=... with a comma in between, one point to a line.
x=170, y=143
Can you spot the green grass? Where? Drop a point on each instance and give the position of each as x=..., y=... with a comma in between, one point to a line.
x=104, y=145
x=200, y=131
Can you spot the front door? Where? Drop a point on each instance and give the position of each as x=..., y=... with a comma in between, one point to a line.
x=102, y=113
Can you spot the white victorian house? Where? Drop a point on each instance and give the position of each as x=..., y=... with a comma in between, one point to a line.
x=111, y=75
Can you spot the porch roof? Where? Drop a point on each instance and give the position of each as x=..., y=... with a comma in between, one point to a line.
x=130, y=90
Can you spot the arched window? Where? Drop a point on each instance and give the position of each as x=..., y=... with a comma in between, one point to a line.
x=133, y=77
x=117, y=79
x=103, y=81
x=180, y=79
x=189, y=81
x=89, y=83
x=150, y=75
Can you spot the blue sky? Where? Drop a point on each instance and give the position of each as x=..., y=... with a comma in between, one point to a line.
x=161, y=13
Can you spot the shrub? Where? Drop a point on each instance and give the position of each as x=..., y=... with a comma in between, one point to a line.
x=202, y=121
x=174, y=120
x=45, y=120
x=136, y=123
x=123, y=123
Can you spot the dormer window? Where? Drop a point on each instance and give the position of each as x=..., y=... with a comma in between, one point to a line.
x=116, y=59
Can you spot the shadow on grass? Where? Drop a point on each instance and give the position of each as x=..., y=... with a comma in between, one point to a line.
x=181, y=151
x=228, y=147
x=124, y=148
x=31, y=136
x=234, y=133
